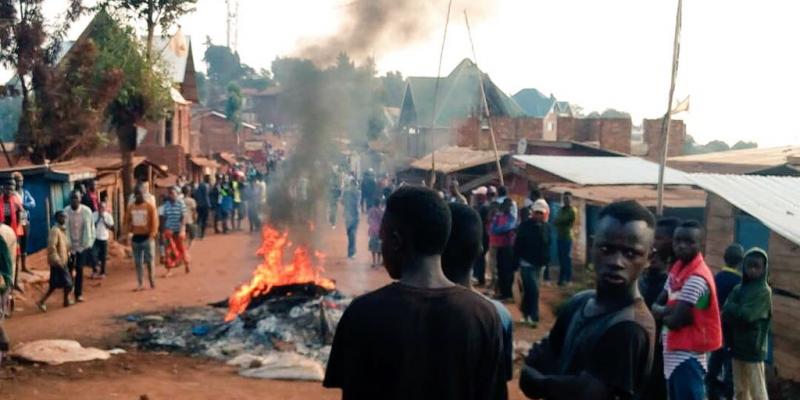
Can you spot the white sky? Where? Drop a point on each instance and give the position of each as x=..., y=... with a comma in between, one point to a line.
x=739, y=60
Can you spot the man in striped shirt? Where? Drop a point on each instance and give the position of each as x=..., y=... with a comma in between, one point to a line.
x=172, y=224
x=690, y=314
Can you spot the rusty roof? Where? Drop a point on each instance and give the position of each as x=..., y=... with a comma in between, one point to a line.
x=453, y=158
x=675, y=196
x=204, y=162
x=736, y=161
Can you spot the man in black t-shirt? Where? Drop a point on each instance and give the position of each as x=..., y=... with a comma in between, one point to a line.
x=422, y=337
x=601, y=346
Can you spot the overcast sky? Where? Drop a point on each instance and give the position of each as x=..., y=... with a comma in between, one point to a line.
x=739, y=62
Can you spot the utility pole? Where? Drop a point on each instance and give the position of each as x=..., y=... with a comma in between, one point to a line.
x=665, y=124
x=232, y=25
x=436, y=99
x=485, y=105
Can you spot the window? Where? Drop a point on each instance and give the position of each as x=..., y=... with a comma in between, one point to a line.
x=168, y=139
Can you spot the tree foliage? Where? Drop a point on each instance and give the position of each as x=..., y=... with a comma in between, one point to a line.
x=225, y=67
x=233, y=106
x=394, y=87
x=164, y=13
x=690, y=146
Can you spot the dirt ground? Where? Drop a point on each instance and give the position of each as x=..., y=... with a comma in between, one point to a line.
x=220, y=263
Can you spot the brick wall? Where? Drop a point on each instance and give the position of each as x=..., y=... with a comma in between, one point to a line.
x=652, y=132
x=611, y=133
x=507, y=131
x=566, y=129
x=217, y=135
x=720, y=217
x=172, y=156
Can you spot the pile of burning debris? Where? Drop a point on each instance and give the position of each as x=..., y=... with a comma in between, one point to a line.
x=279, y=325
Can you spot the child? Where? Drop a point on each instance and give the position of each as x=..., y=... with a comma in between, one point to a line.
x=58, y=256
x=720, y=376
x=103, y=225
x=374, y=217
x=747, y=315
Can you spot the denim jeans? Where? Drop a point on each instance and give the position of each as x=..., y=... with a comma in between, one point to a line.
x=352, y=228
x=530, y=285
x=564, y=261
x=143, y=256
x=686, y=381
x=100, y=250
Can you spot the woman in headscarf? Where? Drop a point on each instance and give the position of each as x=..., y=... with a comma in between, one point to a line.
x=747, y=315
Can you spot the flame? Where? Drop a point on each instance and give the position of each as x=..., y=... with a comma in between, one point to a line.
x=273, y=272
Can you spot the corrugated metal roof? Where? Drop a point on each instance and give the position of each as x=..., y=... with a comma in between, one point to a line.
x=453, y=158
x=774, y=200
x=675, y=196
x=604, y=170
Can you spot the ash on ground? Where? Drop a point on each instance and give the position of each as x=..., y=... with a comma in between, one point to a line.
x=276, y=338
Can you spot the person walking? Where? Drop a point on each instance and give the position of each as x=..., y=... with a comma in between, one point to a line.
x=482, y=207
x=688, y=309
x=202, y=196
x=334, y=193
x=141, y=221
x=601, y=346
x=502, y=239
x=532, y=253
x=421, y=337
x=374, y=218
x=8, y=248
x=350, y=202
x=11, y=210
x=565, y=224
x=81, y=235
x=103, y=225
x=58, y=258
x=719, y=379
x=28, y=204
x=747, y=315
x=173, y=232
x=190, y=216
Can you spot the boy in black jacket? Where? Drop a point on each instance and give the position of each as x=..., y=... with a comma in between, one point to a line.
x=532, y=253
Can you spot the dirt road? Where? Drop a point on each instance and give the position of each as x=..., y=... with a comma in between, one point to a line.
x=220, y=263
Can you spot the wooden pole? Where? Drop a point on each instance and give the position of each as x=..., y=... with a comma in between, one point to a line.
x=665, y=124
x=436, y=98
x=485, y=105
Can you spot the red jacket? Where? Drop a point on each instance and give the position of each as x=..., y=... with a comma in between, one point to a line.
x=704, y=334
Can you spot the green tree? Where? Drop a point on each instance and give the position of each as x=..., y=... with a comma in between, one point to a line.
x=394, y=87
x=233, y=106
x=741, y=145
x=154, y=13
x=224, y=66
x=143, y=94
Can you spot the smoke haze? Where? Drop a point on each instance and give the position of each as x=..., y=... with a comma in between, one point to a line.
x=374, y=26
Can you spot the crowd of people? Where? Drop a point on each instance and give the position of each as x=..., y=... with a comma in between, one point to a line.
x=657, y=324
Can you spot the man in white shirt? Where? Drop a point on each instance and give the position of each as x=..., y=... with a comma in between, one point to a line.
x=103, y=225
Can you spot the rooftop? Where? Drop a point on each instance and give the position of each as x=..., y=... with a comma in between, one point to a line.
x=776, y=204
x=679, y=196
x=453, y=158
x=604, y=170
x=735, y=161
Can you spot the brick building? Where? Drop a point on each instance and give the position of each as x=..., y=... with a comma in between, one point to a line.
x=216, y=134
x=652, y=133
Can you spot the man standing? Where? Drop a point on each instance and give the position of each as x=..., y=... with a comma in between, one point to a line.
x=141, y=221
x=174, y=232
x=11, y=211
x=565, y=223
x=350, y=202
x=334, y=193
x=190, y=215
x=28, y=204
x=463, y=248
x=8, y=248
x=720, y=371
x=103, y=224
x=747, y=316
x=91, y=198
x=422, y=337
x=202, y=198
x=482, y=207
x=689, y=312
x=651, y=284
x=502, y=239
x=601, y=346
x=532, y=253
x=81, y=234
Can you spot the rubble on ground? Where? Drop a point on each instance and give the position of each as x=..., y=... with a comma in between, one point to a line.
x=286, y=337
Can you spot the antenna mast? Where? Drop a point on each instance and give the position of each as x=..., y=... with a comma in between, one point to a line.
x=232, y=24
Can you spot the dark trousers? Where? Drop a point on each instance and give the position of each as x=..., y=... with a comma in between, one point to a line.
x=202, y=220
x=253, y=217
x=564, y=261
x=479, y=269
x=719, y=379
x=76, y=263
x=505, y=271
x=352, y=228
x=530, y=286
x=686, y=382
x=100, y=251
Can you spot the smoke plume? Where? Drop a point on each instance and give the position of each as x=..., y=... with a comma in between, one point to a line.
x=375, y=26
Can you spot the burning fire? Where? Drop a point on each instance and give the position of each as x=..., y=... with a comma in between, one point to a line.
x=273, y=272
